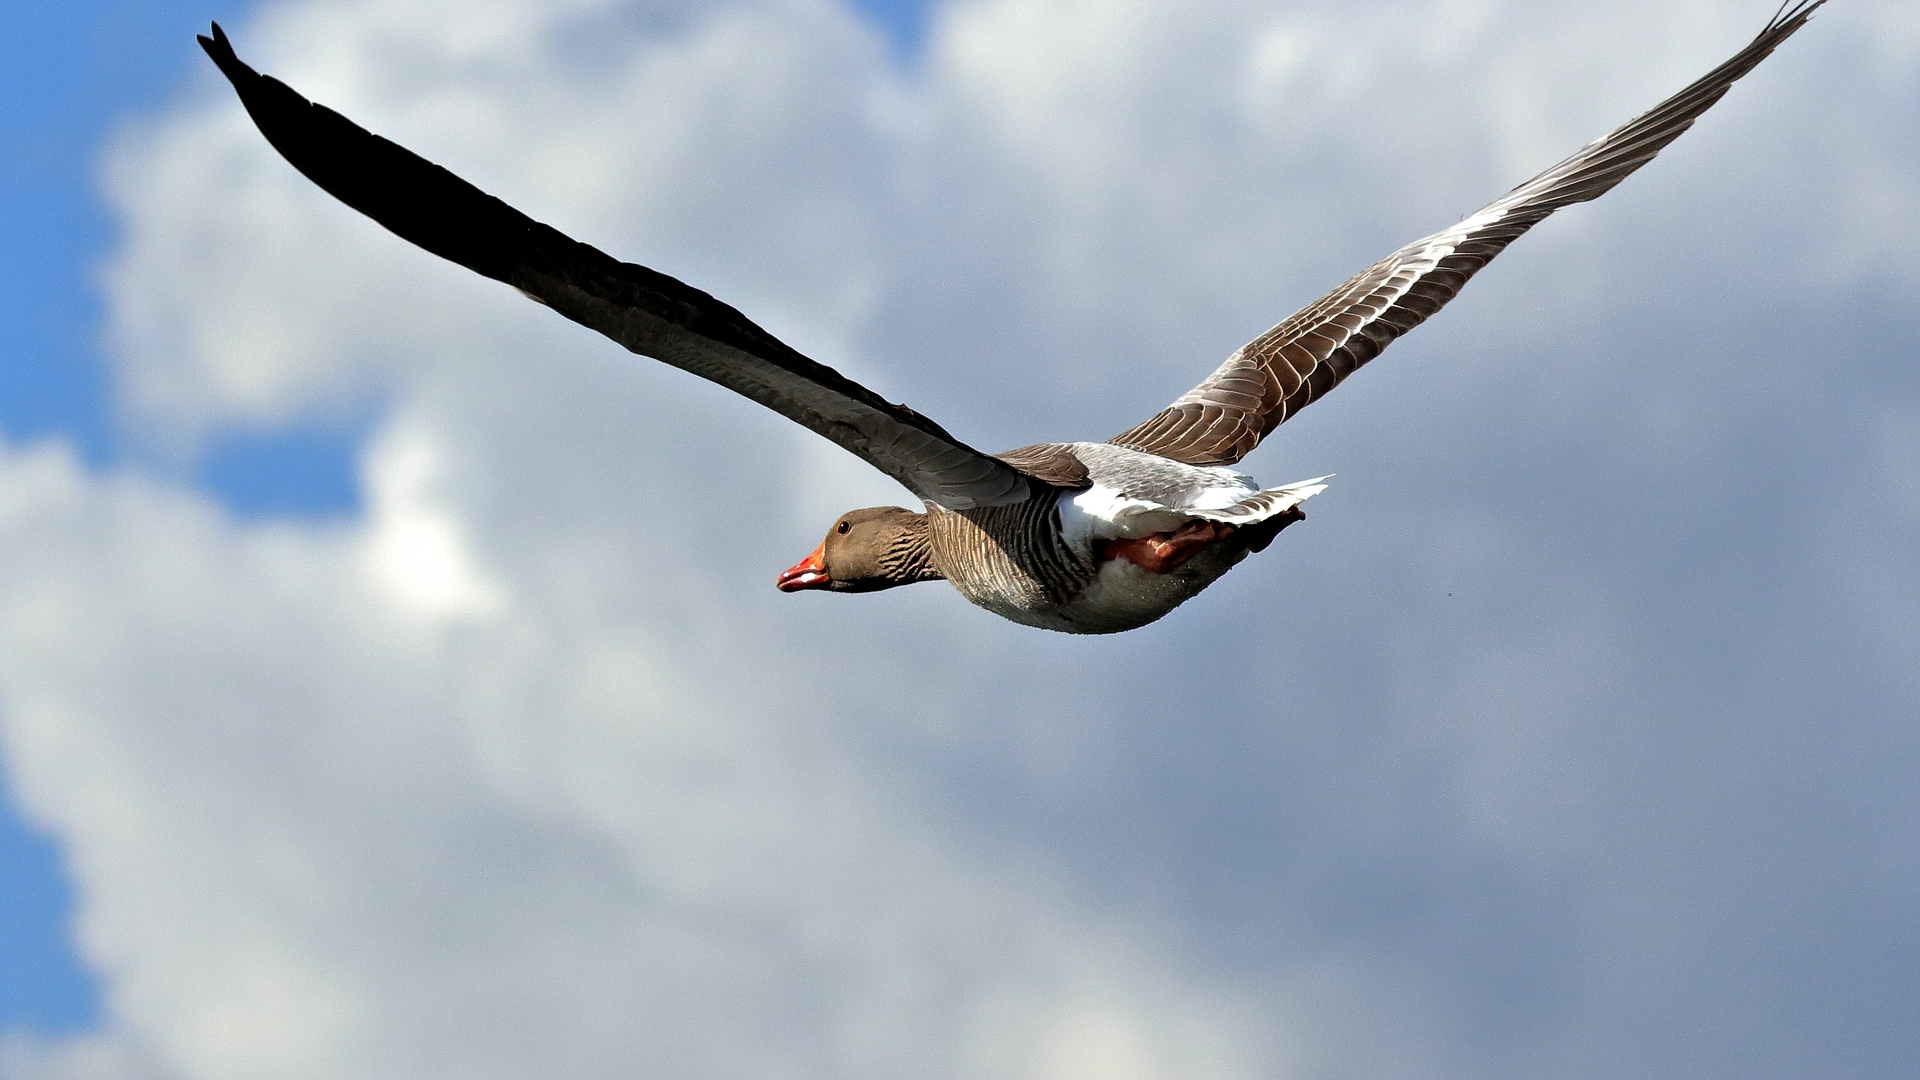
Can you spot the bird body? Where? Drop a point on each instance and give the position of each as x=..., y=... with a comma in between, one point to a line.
x=1082, y=537
x=1082, y=560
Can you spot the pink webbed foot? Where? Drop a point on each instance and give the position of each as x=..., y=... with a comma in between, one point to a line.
x=1164, y=552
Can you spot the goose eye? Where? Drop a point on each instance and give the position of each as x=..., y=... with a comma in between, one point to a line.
x=842, y=528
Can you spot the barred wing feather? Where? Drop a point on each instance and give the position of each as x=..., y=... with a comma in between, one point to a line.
x=1291, y=366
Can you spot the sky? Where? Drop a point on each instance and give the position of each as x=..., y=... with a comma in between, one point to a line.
x=73, y=76
x=392, y=682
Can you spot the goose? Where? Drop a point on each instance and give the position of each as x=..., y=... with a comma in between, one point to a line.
x=1080, y=537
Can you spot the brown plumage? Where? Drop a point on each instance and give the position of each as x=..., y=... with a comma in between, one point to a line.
x=1081, y=537
x=867, y=550
x=1294, y=364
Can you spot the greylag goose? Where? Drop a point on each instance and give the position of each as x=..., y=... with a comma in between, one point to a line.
x=1081, y=537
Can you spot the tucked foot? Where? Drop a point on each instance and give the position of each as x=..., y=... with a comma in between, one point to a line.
x=1257, y=537
x=1164, y=552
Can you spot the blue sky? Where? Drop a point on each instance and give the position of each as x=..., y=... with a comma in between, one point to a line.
x=389, y=733
x=69, y=75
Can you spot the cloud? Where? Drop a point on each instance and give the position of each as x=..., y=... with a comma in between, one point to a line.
x=1570, y=736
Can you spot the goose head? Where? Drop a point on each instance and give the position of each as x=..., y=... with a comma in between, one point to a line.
x=865, y=551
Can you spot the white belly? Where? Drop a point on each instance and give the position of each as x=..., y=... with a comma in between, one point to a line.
x=1131, y=495
x=1123, y=596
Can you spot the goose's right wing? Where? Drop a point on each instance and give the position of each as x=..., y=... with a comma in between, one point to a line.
x=1291, y=366
x=646, y=311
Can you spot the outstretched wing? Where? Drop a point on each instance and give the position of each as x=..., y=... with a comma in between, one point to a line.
x=1292, y=365
x=648, y=312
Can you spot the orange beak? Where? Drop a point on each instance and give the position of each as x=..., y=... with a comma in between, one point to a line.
x=810, y=573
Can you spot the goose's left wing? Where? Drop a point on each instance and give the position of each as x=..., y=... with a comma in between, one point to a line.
x=646, y=311
x=1292, y=365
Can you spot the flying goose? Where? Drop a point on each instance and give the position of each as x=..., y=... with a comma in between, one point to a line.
x=1080, y=537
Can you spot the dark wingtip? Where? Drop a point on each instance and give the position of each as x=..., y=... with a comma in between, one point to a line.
x=1794, y=14
x=220, y=50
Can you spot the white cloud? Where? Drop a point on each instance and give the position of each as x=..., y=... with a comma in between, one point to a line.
x=414, y=546
x=1581, y=702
